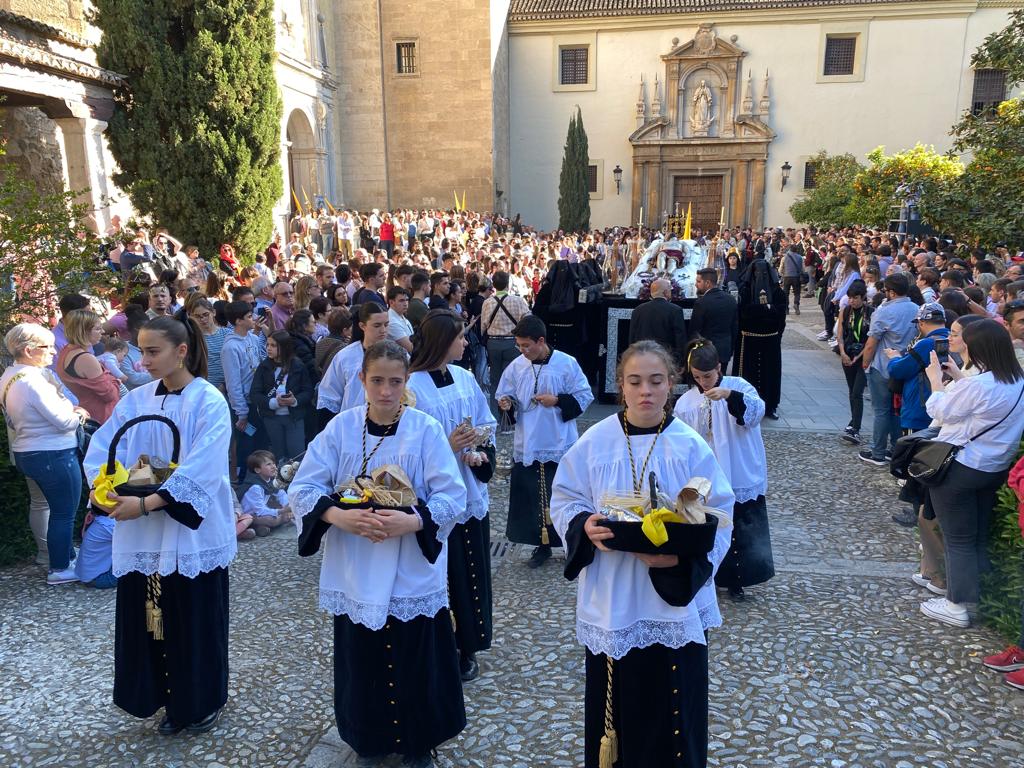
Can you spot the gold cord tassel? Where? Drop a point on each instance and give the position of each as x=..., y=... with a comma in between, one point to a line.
x=154, y=616
x=545, y=510
x=610, y=741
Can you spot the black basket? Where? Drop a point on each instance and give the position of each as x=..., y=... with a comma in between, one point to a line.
x=137, y=491
x=687, y=540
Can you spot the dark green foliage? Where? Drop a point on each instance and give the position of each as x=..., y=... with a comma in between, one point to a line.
x=829, y=201
x=1003, y=587
x=17, y=543
x=573, y=196
x=197, y=131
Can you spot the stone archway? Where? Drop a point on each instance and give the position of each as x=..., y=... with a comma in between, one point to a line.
x=303, y=176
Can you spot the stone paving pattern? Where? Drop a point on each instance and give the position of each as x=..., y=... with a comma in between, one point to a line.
x=829, y=664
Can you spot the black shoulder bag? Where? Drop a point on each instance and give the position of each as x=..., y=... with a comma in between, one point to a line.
x=929, y=460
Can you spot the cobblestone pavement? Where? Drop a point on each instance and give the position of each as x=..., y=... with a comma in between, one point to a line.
x=829, y=664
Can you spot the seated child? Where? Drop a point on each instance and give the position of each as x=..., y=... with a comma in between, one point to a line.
x=94, y=566
x=114, y=351
x=267, y=505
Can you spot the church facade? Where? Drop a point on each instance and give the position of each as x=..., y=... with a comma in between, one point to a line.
x=719, y=105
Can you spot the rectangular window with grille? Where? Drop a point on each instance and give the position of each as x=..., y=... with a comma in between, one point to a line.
x=989, y=90
x=573, y=65
x=406, y=57
x=840, y=54
x=810, y=175
x=592, y=179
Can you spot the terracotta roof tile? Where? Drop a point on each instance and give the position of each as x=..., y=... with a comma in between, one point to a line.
x=531, y=10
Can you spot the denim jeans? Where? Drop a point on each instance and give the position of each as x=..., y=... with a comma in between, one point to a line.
x=886, y=429
x=59, y=476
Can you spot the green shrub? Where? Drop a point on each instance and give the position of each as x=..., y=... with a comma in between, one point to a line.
x=1003, y=587
x=16, y=543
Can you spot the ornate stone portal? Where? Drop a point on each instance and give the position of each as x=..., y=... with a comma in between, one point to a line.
x=702, y=145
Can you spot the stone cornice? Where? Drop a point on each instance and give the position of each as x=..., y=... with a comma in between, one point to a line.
x=46, y=30
x=768, y=15
x=33, y=55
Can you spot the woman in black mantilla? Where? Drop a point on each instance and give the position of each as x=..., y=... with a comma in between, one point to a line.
x=451, y=395
x=171, y=549
x=762, y=320
x=384, y=570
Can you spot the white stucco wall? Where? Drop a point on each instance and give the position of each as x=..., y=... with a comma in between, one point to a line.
x=916, y=83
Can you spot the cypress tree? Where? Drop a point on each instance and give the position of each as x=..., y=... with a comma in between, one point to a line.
x=196, y=131
x=573, y=196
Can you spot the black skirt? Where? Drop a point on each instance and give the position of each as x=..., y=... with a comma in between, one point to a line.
x=397, y=690
x=749, y=559
x=525, y=515
x=187, y=671
x=469, y=584
x=659, y=707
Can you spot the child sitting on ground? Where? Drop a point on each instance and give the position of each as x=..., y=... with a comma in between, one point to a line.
x=114, y=351
x=268, y=505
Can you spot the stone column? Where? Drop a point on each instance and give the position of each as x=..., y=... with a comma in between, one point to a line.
x=637, y=184
x=757, y=194
x=738, y=214
x=84, y=169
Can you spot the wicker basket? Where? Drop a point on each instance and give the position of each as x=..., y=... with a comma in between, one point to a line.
x=127, y=489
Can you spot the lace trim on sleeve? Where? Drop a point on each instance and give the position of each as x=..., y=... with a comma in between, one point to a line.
x=444, y=515
x=750, y=492
x=303, y=502
x=188, y=491
x=477, y=509
x=642, y=634
x=329, y=403
x=374, y=615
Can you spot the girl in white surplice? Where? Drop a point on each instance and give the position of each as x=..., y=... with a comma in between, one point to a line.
x=171, y=549
x=727, y=412
x=642, y=618
x=451, y=395
x=384, y=572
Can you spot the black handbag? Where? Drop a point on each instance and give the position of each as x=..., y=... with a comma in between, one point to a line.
x=137, y=491
x=930, y=460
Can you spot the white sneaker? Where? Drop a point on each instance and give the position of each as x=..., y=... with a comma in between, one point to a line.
x=940, y=609
x=921, y=581
x=53, y=578
x=938, y=591
x=822, y=336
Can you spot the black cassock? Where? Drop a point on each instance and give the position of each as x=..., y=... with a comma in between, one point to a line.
x=525, y=507
x=659, y=694
x=397, y=690
x=469, y=584
x=187, y=671
x=749, y=559
x=759, y=348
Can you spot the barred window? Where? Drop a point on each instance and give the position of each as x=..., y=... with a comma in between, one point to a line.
x=592, y=179
x=406, y=57
x=840, y=53
x=989, y=90
x=573, y=65
x=810, y=175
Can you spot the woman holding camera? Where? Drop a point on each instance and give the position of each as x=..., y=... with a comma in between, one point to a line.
x=983, y=415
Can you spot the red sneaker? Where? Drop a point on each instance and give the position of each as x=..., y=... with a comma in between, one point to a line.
x=1015, y=679
x=1009, y=660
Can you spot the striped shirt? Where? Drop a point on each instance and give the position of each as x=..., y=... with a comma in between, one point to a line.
x=214, y=344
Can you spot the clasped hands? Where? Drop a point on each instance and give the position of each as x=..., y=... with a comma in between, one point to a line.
x=598, y=534
x=460, y=439
x=375, y=525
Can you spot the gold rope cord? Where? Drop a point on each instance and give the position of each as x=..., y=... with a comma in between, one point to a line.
x=609, y=752
x=545, y=510
x=154, y=616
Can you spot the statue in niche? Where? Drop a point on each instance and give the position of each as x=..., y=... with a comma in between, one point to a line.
x=700, y=112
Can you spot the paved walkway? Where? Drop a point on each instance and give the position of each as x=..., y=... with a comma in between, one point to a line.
x=829, y=664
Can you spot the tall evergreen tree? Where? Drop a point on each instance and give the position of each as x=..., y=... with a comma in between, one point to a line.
x=196, y=130
x=573, y=195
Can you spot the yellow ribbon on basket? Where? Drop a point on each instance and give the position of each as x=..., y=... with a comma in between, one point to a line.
x=105, y=484
x=654, y=525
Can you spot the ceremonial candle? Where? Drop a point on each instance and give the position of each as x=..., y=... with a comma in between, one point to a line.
x=641, y=216
x=722, y=218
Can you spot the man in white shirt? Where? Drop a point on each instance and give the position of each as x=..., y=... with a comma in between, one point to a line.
x=399, y=328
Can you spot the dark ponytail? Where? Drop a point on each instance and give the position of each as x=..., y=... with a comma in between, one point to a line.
x=701, y=355
x=181, y=329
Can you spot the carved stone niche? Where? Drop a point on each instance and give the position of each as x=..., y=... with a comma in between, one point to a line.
x=716, y=63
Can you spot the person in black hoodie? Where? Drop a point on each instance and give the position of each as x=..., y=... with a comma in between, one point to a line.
x=282, y=393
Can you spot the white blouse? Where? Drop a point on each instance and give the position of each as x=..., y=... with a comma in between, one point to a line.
x=369, y=581
x=340, y=388
x=541, y=434
x=739, y=448
x=156, y=543
x=969, y=406
x=450, y=405
x=617, y=607
x=41, y=417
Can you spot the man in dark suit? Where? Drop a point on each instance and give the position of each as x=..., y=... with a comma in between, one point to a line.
x=715, y=316
x=660, y=320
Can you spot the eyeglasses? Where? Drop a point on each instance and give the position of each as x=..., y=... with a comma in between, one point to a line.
x=192, y=288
